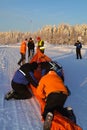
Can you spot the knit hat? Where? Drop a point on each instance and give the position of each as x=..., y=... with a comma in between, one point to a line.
x=38, y=38
x=30, y=38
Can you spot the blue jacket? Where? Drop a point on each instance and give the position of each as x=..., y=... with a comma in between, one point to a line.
x=25, y=75
x=78, y=45
x=22, y=78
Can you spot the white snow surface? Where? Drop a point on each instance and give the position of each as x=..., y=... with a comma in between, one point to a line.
x=25, y=114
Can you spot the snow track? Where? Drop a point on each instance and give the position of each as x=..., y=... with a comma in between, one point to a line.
x=15, y=114
x=25, y=114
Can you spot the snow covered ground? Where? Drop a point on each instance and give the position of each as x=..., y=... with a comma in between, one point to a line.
x=25, y=114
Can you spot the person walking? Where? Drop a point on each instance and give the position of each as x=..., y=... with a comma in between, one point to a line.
x=40, y=44
x=31, y=48
x=78, y=45
x=51, y=88
x=23, y=53
x=21, y=80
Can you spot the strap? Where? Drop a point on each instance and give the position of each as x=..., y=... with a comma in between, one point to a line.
x=22, y=72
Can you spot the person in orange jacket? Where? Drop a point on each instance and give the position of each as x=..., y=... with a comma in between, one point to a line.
x=23, y=52
x=52, y=89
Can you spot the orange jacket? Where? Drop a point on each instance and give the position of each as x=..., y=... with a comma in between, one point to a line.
x=49, y=83
x=23, y=47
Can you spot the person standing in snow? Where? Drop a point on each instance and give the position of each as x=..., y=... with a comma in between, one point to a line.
x=78, y=45
x=31, y=47
x=21, y=80
x=40, y=44
x=23, y=53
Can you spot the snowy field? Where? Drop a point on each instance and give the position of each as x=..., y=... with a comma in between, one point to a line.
x=25, y=114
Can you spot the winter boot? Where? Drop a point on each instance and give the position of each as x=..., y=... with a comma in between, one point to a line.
x=71, y=114
x=19, y=63
x=48, y=121
x=9, y=95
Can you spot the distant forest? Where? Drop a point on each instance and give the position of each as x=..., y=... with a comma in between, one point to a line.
x=61, y=34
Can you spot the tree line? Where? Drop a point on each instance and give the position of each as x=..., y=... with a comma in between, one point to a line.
x=61, y=34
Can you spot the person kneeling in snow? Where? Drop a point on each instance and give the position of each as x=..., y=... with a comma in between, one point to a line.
x=46, y=65
x=51, y=88
x=21, y=80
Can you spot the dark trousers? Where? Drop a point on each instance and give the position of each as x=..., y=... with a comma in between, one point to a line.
x=78, y=53
x=30, y=52
x=55, y=101
x=22, y=91
x=22, y=59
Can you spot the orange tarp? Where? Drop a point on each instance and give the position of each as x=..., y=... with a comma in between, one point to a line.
x=59, y=122
x=40, y=57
